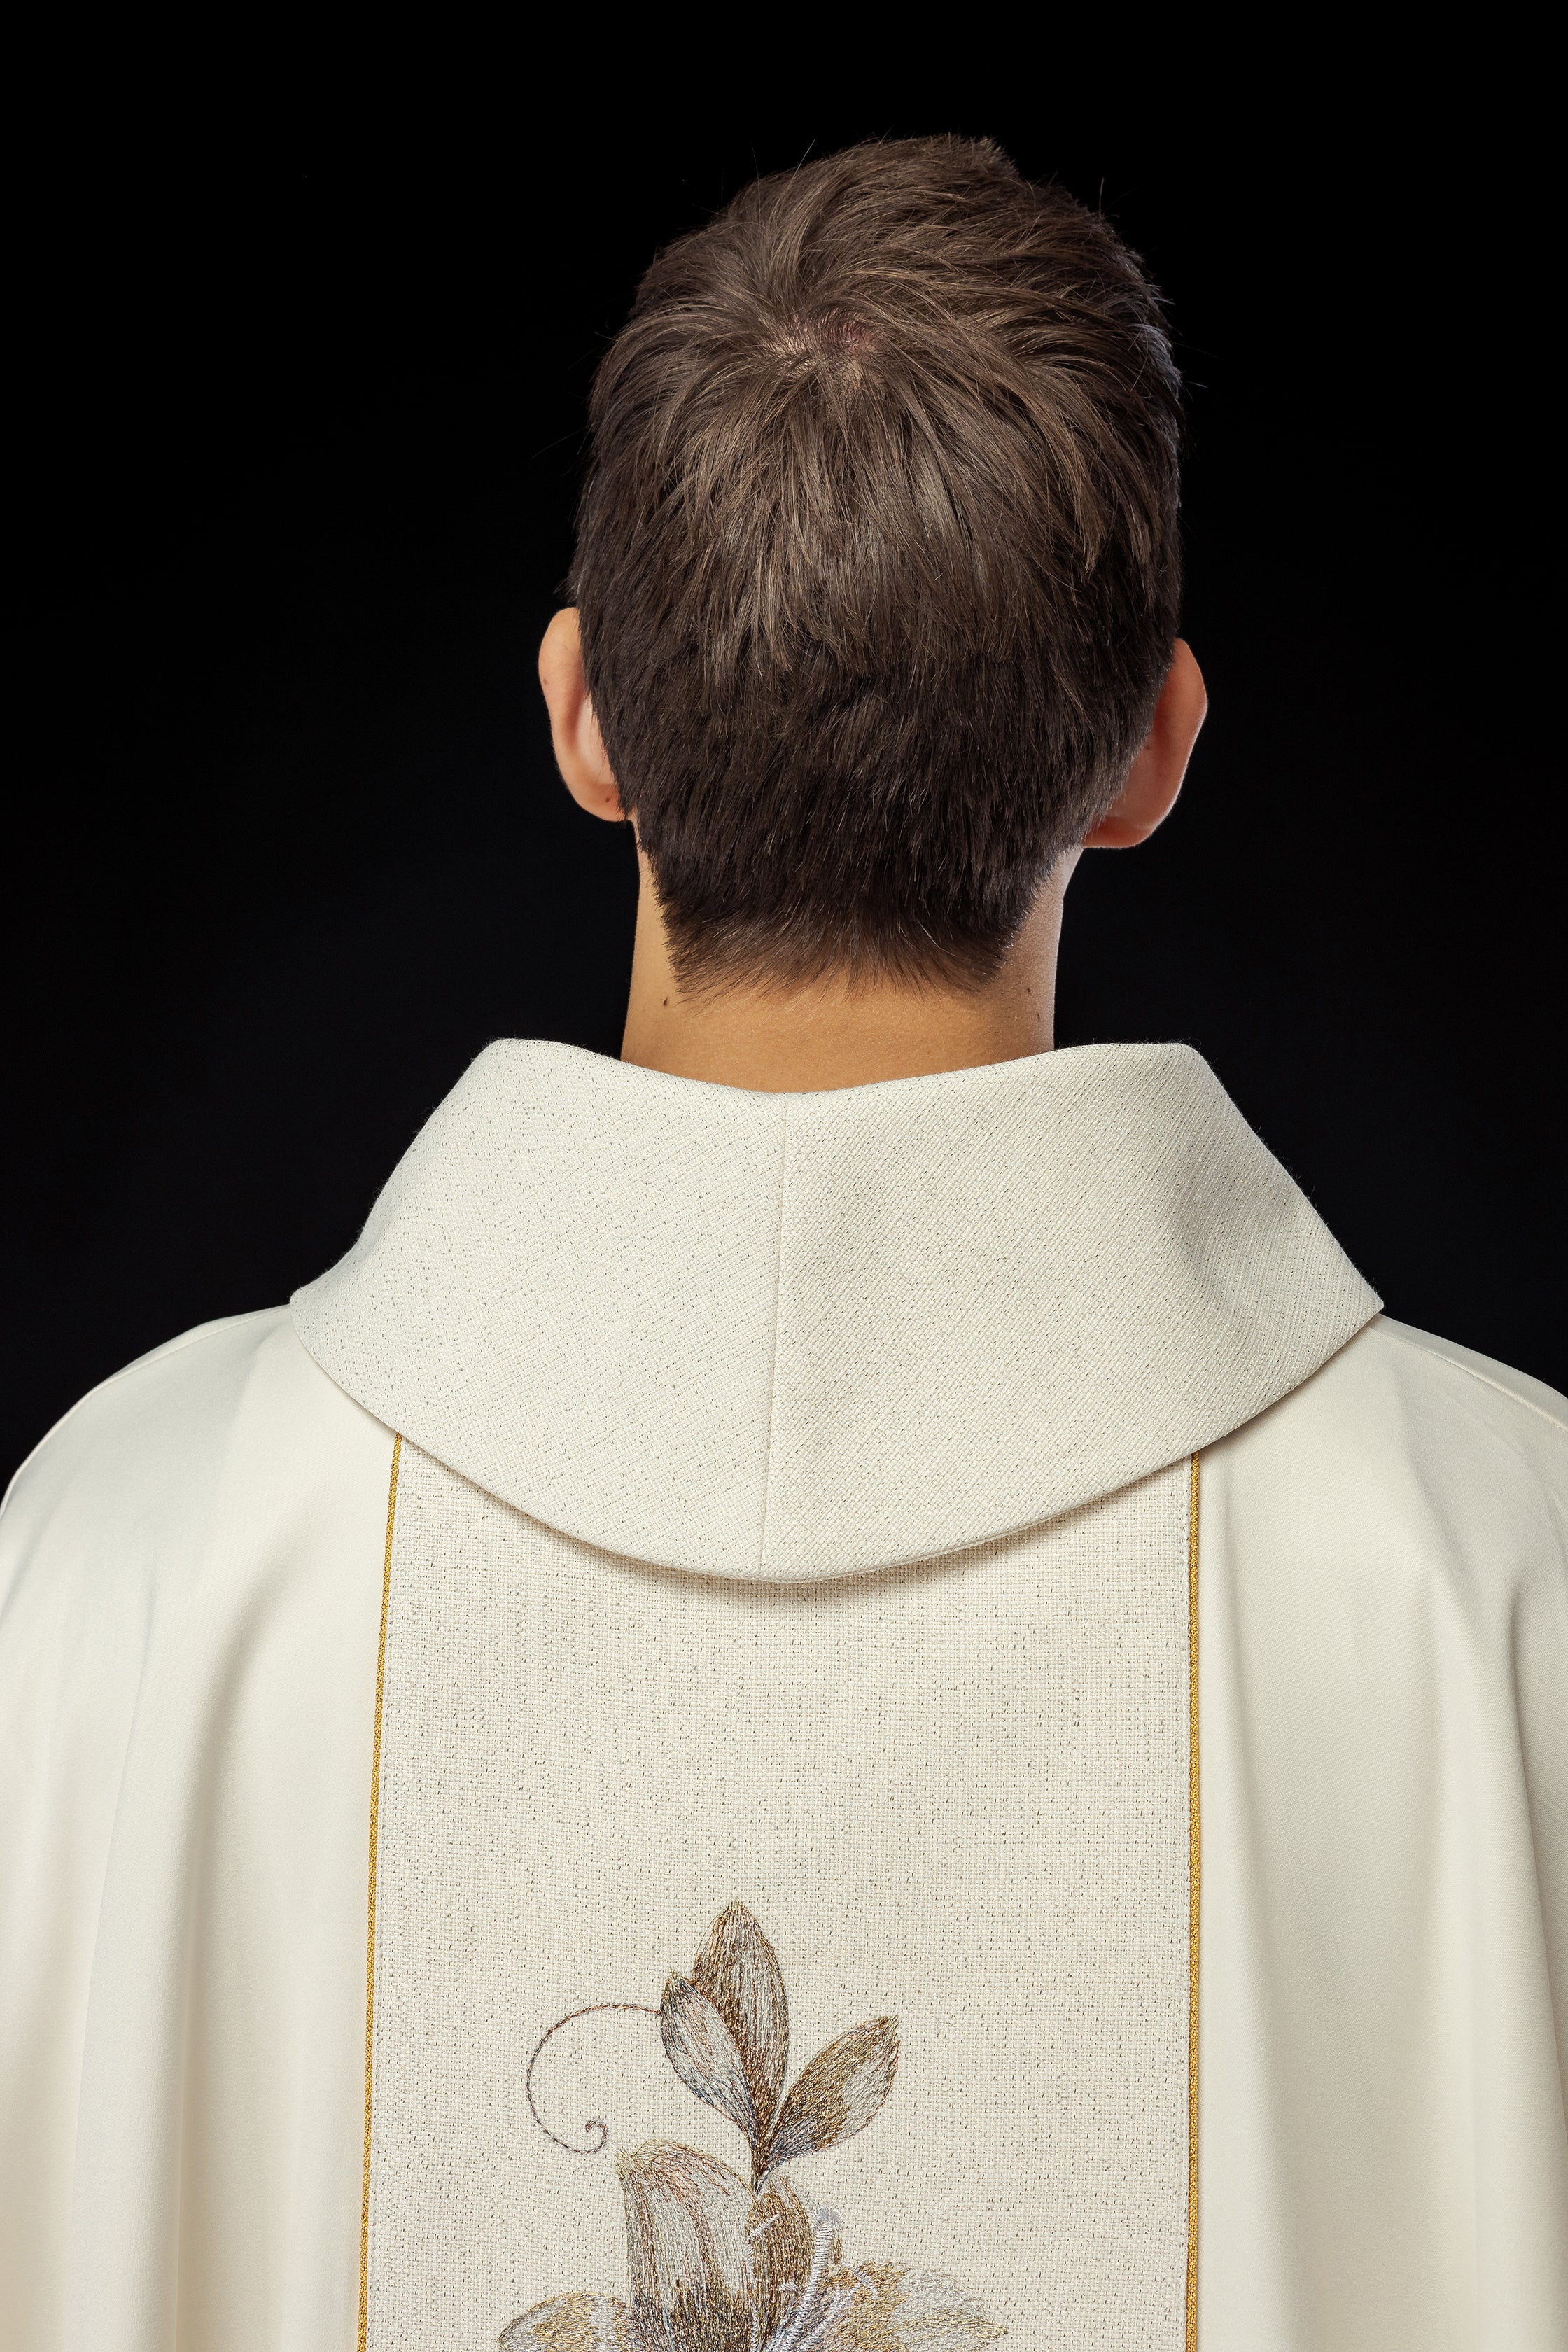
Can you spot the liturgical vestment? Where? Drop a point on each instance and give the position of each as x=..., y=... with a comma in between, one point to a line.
x=794, y=1723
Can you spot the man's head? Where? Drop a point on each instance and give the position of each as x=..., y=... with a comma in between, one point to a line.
x=877, y=562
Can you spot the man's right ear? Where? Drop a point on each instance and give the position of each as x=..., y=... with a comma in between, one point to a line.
x=579, y=748
x=1154, y=779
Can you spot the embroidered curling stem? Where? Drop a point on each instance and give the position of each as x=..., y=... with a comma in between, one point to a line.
x=594, y=2123
x=370, y=1931
x=1194, y=1908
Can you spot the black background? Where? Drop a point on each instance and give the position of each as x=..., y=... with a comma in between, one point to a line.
x=302, y=387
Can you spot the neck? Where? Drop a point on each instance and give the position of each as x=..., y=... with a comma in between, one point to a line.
x=828, y=1033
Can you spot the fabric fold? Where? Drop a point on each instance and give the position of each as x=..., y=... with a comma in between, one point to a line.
x=998, y=1293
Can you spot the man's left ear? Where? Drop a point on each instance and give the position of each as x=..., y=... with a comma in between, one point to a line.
x=1154, y=779
x=574, y=729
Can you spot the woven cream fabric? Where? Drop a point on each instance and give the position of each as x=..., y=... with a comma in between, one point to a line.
x=954, y=1794
x=807, y=1335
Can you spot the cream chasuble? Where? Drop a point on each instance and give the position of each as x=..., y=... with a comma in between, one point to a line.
x=908, y=1662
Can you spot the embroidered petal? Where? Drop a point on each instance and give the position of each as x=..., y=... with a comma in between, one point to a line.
x=883, y=2309
x=739, y=1971
x=784, y=2243
x=572, y=2323
x=688, y=2242
x=838, y=2093
x=701, y=2049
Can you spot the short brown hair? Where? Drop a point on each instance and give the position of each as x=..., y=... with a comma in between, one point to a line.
x=876, y=557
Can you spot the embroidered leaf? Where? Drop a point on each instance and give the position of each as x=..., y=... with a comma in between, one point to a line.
x=690, y=2221
x=838, y=2093
x=739, y=1971
x=572, y=2323
x=889, y=2310
x=702, y=2051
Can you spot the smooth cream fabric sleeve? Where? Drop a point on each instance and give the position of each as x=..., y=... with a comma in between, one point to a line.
x=190, y=1572
x=1384, y=1711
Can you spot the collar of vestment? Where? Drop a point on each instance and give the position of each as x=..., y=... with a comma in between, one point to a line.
x=805, y=1335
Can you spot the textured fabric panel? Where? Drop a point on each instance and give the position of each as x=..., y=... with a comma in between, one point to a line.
x=1091, y=1269
x=567, y=1291
x=954, y=1795
x=802, y=1336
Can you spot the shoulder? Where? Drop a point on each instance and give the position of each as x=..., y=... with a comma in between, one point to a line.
x=1383, y=1596
x=190, y=1531
x=198, y=1371
x=1408, y=1462
x=120, y=1490
x=1396, y=1402
x=1488, y=1396
x=156, y=1424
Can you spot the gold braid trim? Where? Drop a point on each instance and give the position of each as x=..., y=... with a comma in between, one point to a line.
x=1195, y=1874
x=370, y=1933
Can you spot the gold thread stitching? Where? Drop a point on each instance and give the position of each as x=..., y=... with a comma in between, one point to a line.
x=1194, y=1909
x=370, y=1931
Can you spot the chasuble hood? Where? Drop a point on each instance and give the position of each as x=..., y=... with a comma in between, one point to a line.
x=794, y=1335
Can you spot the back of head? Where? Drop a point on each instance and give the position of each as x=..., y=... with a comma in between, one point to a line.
x=877, y=560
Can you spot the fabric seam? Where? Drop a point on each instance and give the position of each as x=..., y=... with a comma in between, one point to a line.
x=1486, y=1380
x=778, y=1317
x=369, y=1926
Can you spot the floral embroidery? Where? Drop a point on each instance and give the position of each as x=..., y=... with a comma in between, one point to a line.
x=720, y=2264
